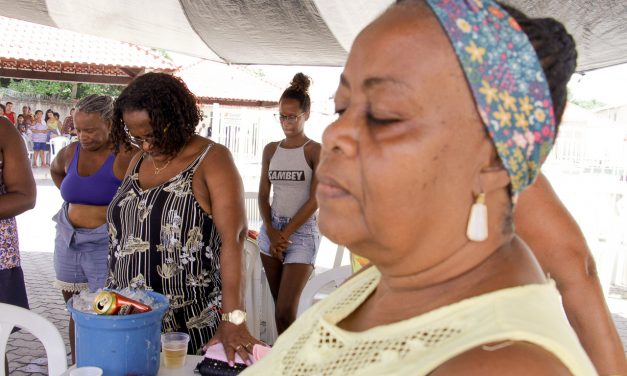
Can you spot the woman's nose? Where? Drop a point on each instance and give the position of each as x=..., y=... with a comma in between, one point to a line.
x=341, y=136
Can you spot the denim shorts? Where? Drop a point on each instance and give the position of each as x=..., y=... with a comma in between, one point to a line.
x=40, y=146
x=80, y=255
x=304, y=242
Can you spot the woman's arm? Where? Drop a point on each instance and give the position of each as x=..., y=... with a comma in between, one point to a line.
x=312, y=153
x=263, y=197
x=226, y=200
x=559, y=245
x=16, y=173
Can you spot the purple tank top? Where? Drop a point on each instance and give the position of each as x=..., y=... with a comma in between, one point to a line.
x=96, y=189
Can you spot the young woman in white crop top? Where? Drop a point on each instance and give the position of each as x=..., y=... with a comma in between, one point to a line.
x=289, y=237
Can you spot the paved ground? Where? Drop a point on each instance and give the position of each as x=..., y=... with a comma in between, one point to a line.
x=27, y=356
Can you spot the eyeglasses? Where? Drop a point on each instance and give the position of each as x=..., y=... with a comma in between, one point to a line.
x=139, y=141
x=290, y=119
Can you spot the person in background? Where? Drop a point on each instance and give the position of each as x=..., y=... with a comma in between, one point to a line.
x=88, y=173
x=2, y=109
x=68, y=124
x=17, y=195
x=40, y=139
x=26, y=133
x=178, y=224
x=53, y=123
x=19, y=121
x=8, y=112
x=289, y=237
x=445, y=115
x=28, y=117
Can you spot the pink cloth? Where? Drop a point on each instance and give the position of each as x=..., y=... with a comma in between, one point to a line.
x=217, y=352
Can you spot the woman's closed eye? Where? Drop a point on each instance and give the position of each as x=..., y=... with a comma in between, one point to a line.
x=375, y=121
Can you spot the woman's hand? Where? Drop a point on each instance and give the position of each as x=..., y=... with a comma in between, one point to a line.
x=234, y=338
x=278, y=242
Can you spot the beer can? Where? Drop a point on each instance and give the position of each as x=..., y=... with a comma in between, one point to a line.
x=110, y=303
x=105, y=303
x=126, y=309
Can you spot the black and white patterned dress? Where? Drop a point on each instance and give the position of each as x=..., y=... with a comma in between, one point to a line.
x=162, y=240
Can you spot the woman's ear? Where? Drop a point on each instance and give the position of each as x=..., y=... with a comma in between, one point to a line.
x=492, y=175
x=492, y=179
x=306, y=115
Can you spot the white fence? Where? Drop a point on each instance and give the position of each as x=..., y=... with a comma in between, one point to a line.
x=588, y=169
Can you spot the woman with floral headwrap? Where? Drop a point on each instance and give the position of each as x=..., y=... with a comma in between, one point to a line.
x=445, y=117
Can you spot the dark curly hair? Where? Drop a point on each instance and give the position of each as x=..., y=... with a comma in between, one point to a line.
x=172, y=108
x=299, y=90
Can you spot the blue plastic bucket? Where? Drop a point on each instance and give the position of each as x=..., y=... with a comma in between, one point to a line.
x=120, y=345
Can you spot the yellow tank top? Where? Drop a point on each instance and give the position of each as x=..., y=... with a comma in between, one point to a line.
x=314, y=345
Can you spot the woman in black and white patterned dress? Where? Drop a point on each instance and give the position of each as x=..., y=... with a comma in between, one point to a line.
x=177, y=224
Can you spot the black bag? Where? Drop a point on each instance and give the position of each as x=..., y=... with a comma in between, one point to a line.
x=215, y=367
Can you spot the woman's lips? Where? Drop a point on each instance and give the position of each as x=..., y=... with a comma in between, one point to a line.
x=329, y=188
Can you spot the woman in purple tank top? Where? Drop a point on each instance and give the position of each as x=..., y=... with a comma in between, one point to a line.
x=88, y=173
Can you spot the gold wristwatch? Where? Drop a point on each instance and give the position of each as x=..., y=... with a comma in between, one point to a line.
x=236, y=316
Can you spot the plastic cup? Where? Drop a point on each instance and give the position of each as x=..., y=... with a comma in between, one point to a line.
x=174, y=347
x=86, y=371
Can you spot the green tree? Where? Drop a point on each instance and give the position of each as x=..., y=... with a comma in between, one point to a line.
x=88, y=89
x=62, y=90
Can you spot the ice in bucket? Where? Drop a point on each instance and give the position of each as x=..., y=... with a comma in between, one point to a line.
x=174, y=347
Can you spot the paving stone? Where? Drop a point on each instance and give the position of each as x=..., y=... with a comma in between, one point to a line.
x=35, y=369
x=14, y=372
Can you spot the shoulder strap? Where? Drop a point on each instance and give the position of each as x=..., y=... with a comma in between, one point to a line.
x=139, y=160
x=200, y=157
x=74, y=162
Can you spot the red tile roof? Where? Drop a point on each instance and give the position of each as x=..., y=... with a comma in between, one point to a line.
x=27, y=41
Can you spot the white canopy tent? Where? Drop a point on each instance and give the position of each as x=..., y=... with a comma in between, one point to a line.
x=291, y=32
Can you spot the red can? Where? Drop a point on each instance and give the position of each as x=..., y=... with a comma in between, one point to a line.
x=110, y=303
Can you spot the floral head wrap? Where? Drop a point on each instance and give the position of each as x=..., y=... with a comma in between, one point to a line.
x=507, y=81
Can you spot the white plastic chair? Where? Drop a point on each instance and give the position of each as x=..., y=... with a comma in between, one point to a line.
x=259, y=303
x=56, y=144
x=253, y=283
x=40, y=327
x=267, y=324
x=29, y=146
x=335, y=276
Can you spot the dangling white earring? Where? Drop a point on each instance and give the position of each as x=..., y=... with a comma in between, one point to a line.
x=477, y=230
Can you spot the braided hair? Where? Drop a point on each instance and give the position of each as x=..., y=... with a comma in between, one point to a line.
x=98, y=104
x=299, y=90
x=556, y=51
x=171, y=107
